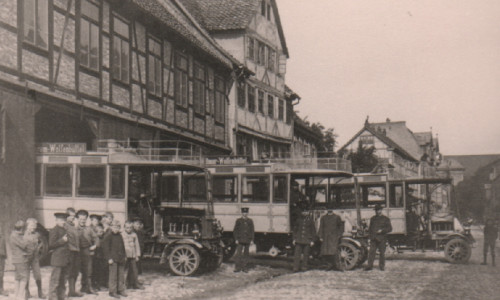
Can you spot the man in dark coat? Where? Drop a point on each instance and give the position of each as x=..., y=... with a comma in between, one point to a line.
x=88, y=242
x=3, y=257
x=74, y=248
x=380, y=226
x=114, y=252
x=490, y=237
x=330, y=231
x=58, y=243
x=304, y=235
x=19, y=249
x=244, y=234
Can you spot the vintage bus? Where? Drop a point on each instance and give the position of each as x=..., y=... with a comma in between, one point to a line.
x=267, y=189
x=129, y=180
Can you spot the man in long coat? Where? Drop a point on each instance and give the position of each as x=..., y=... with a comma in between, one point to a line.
x=244, y=234
x=304, y=235
x=58, y=243
x=380, y=226
x=490, y=236
x=329, y=233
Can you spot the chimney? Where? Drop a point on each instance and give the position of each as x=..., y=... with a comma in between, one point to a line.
x=387, y=120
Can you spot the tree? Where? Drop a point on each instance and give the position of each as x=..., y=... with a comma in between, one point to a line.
x=364, y=159
x=328, y=140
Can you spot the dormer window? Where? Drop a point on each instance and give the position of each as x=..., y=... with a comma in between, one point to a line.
x=266, y=9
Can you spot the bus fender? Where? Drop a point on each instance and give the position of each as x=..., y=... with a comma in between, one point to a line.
x=352, y=241
x=468, y=239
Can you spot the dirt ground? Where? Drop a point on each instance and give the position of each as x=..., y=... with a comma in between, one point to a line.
x=407, y=276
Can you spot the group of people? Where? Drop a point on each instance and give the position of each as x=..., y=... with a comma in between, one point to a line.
x=106, y=256
x=305, y=235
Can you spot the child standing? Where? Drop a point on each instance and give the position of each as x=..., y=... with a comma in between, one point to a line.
x=99, y=264
x=133, y=251
x=34, y=243
x=114, y=253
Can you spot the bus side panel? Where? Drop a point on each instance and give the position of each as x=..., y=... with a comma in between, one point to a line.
x=397, y=216
x=279, y=218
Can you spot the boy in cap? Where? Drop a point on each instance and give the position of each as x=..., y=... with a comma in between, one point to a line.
x=99, y=264
x=114, y=252
x=244, y=235
x=88, y=243
x=19, y=247
x=94, y=221
x=138, y=229
x=74, y=248
x=380, y=226
x=133, y=251
x=3, y=257
x=58, y=243
x=34, y=243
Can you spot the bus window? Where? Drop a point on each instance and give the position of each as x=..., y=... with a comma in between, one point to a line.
x=224, y=189
x=58, y=180
x=373, y=195
x=91, y=181
x=169, y=188
x=396, y=195
x=38, y=182
x=117, y=180
x=319, y=195
x=279, y=189
x=255, y=189
x=343, y=197
x=195, y=189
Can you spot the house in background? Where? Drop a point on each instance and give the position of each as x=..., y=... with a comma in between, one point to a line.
x=260, y=106
x=400, y=152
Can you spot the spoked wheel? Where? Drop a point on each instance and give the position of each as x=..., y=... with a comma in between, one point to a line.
x=348, y=256
x=457, y=251
x=184, y=260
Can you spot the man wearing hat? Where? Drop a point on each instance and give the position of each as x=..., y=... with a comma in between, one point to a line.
x=88, y=242
x=380, y=226
x=74, y=248
x=58, y=243
x=304, y=235
x=243, y=236
x=490, y=237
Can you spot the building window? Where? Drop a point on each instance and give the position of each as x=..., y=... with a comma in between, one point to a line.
x=181, y=80
x=251, y=98
x=281, y=112
x=241, y=95
x=262, y=54
x=154, y=67
x=89, y=35
x=220, y=110
x=366, y=139
x=36, y=22
x=289, y=112
x=270, y=106
x=199, y=88
x=121, y=50
x=261, y=102
x=271, y=59
x=268, y=12
x=251, y=48
x=263, y=8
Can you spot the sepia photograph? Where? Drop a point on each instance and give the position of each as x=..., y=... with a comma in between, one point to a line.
x=249, y=149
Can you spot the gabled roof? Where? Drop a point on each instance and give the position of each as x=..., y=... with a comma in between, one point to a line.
x=178, y=20
x=401, y=135
x=226, y=15
x=381, y=135
x=450, y=164
x=472, y=163
x=423, y=138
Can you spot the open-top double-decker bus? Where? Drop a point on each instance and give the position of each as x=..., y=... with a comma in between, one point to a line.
x=134, y=179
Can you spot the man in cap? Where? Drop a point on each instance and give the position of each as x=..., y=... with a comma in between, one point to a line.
x=490, y=237
x=58, y=243
x=74, y=248
x=244, y=234
x=380, y=226
x=304, y=235
x=35, y=243
x=330, y=231
x=88, y=243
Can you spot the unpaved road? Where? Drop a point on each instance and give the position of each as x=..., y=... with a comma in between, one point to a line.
x=407, y=276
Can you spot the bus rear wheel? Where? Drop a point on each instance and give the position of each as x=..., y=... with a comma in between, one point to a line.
x=457, y=251
x=348, y=256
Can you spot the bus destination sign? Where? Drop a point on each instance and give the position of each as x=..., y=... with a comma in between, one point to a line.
x=67, y=148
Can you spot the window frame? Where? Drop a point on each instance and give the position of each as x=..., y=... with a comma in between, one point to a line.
x=154, y=86
x=194, y=197
x=241, y=94
x=181, y=81
x=252, y=196
x=45, y=181
x=79, y=178
x=251, y=98
x=91, y=23
x=199, y=88
x=220, y=100
x=36, y=25
x=260, y=101
x=110, y=175
x=122, y=40
x=281, y=108
x=286, y=189
x=221, y=198
x=270, y=106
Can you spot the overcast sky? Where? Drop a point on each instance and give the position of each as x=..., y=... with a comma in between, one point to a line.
x=429, y=63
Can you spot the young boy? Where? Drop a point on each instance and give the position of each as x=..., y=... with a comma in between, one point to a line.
x=88, y=243
x=34, y=243
x=3, y=256
x=114, y=253
x=19, y=248
x=139, y=231
x=133, y=251
x=58, y=243
x=99, y=264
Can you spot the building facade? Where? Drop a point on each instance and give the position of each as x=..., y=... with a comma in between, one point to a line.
x=260, y=110
x=87, y=70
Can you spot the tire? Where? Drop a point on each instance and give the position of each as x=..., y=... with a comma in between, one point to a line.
x=184, y=260
x=348, y=256
x=457, y=251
